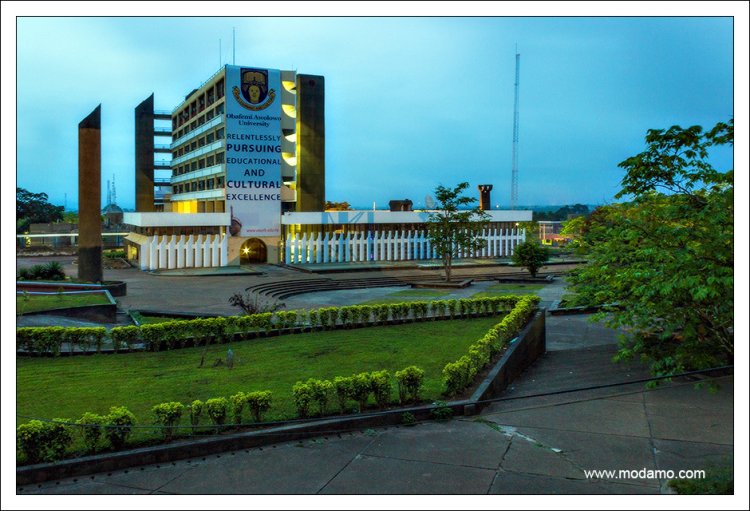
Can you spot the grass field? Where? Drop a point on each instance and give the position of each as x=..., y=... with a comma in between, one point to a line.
x=33, y=303
x=508, y=289
x=69, y=386
x=409, y=295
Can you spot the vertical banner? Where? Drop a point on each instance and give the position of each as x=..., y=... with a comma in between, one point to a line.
x=253, y=152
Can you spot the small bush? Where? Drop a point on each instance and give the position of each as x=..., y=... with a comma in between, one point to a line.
x=410, y=381
x=90, y=425
x=408, y=419
x=238, y=403
x=32, y=440
x=119, y=424
x=259, y=402
x=196, y=410
x=361, y=388
x=168, y=415
x=303, y=396
x=343, y=388
x=441, y=412
x=380, y=383
x=216, y=409
x=719, y=480
x=320, y=391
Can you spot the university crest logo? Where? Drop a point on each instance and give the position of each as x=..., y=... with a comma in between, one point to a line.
x=253, y=92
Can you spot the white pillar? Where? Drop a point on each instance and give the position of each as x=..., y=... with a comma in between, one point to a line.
x=318, y=247
x=288, y=249
x=181, y=251
x=144, y=254
x=206, y=248
x=216, y=251
x=171, y=253
x=224, y=250
x=162, y=264
x=325, y=247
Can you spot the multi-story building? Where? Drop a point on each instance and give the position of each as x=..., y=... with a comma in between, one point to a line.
x=249, y=143
x=248, y=184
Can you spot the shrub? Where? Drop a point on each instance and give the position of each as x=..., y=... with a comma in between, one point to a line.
x=168, y=415
x=259, y=402
x=361, y=388
x=238, y=403
x=90, y=425
x=381, y=313
x=532, y=255
x=380, y=383
x=457, y=375
x=314, y=318
x=216, y=409
x=410, y=381
x=196, y=410
x=50, y=271
x=408, y=419
x=302, y=394
x=343, y=387
x=438, y=308
x=119, y=424
x=124, y=335
x=33, y=440
x=441, y=412
x=320, y=391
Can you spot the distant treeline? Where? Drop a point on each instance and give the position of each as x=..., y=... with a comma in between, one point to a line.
x=563, y=213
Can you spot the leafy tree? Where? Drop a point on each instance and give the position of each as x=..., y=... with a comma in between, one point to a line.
x=33, y=208
x=337, y=206
x=531, y=255
x=666, y=257
x=452, y=229
x=573, y=229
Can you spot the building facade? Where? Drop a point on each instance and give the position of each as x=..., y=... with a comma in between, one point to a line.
x=248, y=184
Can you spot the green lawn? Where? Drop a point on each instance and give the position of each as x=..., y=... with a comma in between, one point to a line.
x=508, y=289
x=409, y=295
x=33, y=303
x=69, y=386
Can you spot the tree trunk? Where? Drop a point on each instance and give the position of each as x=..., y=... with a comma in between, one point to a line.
x=447, y=267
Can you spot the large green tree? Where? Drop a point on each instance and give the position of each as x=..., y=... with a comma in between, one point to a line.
x=665, y=257
x=454, y=227
x=33, y=208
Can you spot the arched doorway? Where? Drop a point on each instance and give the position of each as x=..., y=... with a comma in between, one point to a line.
x=253, y=251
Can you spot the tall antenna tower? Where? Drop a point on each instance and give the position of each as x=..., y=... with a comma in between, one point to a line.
x=114, y=193
x=514, y=178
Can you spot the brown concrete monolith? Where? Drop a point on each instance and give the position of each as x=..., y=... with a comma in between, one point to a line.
x=90, y=197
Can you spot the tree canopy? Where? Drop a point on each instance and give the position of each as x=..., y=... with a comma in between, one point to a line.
x=453, y=229
x=664, y=259
x=33, y=208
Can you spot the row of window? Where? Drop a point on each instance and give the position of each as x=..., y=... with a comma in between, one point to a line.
x=194, y=144
x=207, y=161
x=199, y=185
x=208, y=97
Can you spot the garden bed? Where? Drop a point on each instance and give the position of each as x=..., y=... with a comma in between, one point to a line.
x=519, y=355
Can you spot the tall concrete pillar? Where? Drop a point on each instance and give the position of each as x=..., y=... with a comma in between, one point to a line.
x=485, y=203
x=90, y=197
x=144, y=155
x=311, y=146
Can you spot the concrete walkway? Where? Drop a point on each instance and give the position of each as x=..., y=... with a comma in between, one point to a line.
x=532, y=445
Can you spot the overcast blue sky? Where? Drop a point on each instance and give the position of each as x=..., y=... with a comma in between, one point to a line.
x=410, y=102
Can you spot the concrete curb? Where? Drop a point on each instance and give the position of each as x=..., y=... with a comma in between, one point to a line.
x=522, y=353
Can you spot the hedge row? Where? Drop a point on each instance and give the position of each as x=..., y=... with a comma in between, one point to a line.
x=460, y=374
x=48, y=441
x=359, y=388
x=178, y=334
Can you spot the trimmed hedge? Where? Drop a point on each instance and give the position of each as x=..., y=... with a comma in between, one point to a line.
x=203, y=331
x=460, y=374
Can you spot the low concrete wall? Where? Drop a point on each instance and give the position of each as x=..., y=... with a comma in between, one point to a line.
x=104, y=313
x=115, y=288
x=531, y=343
